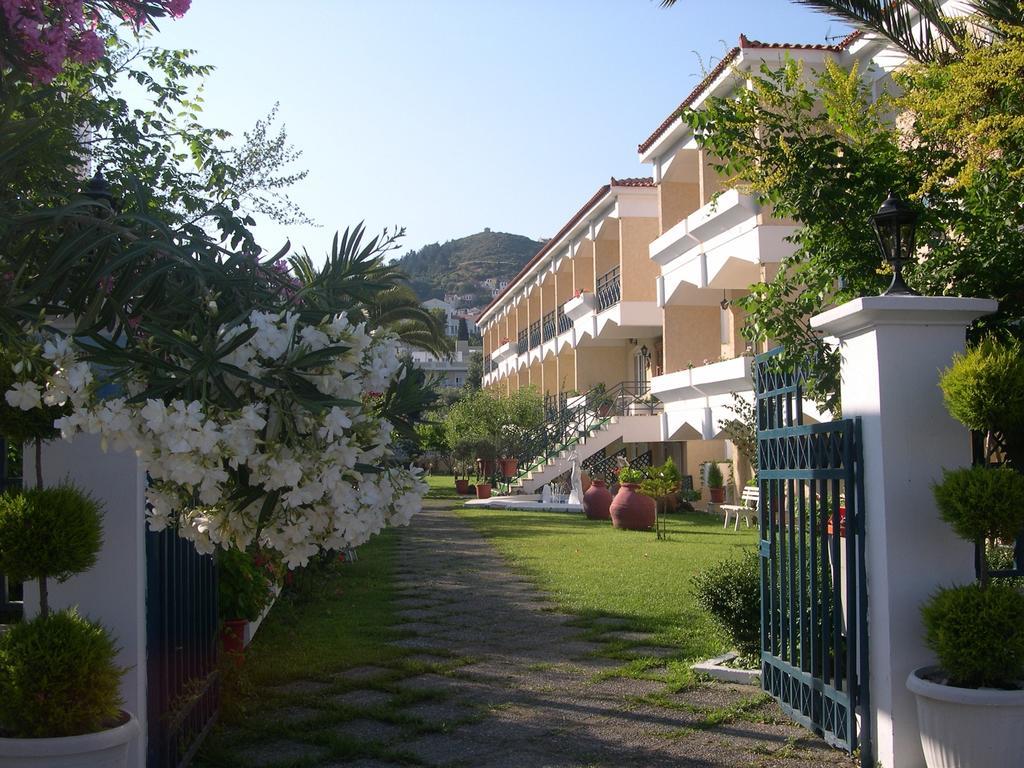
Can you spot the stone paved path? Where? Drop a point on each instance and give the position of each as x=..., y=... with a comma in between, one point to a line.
x=505, y=680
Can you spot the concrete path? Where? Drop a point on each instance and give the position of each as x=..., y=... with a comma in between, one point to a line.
x=497, y=677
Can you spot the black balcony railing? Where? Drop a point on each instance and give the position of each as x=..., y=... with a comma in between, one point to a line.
x=548, y=326
x=522, y=345
x=535, y=337
x=609, y=289
x=564, y=321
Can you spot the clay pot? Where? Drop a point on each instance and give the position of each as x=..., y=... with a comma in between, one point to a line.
x=483, y=490
x=717, y=495
x=232, y=635
x=462, y=487
x=509, y=467
x=596, y=501
x=632, y=510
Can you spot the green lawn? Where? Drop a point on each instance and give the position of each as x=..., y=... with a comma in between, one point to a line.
x=592, y=569
x=442, y=487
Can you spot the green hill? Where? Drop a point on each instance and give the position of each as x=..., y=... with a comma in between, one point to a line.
x=461, y=266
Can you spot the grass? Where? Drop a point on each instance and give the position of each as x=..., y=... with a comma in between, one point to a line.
x=593, y=570
x=442, y=487
x=344, y=621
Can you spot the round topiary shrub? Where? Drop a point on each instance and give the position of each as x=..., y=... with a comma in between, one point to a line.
x=58, y=677
x=977, y=633
x=982, y=502
x=49, y=532
x=984, y=390
x=731, y=592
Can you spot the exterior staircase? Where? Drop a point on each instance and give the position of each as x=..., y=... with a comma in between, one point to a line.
x=582, y=427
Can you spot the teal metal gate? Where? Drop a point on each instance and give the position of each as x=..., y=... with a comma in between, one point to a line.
x=814, y=637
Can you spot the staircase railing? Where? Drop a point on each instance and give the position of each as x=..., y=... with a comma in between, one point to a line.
x=569, y=426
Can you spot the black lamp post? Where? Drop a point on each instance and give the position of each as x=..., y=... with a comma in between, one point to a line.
x=895, y=225
x=99, y=189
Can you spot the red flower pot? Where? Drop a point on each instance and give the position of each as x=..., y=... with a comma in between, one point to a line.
x=483, y=490
x=462, y=487
x=632, y=510
x=717, y=495
x=509, y=467
x=597, y=500
x=232, y=635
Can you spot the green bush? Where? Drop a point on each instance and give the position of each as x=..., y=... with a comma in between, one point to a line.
x=631, y=475
x=981, y=502
x=984, y=390
x=58, y=677
x=662, y=481
x=244, y=586
x=731, y=592
x=977, y=634
x=50, y=532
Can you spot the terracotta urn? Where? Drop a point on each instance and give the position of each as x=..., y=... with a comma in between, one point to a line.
x=509, y=467
x=483, y=490
x=462, y=486
x=717, y=495
x=596, y=501
x=631, y=509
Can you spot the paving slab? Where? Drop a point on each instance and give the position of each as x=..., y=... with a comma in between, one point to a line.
x=363, y=699
x=535, y=693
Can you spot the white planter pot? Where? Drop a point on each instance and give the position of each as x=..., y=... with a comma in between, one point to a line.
x=105, y=749
x=968, y=727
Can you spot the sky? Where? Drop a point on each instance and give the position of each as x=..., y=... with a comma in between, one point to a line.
x=449, y=116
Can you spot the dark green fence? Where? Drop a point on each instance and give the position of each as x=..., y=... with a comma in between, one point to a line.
x=183, y=693
x=814, y=638
x=10, y=479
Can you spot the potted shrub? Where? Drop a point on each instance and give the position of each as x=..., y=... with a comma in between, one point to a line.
x=630, y=509
x=716, y=483
x=60, y=702
x=245, y=589
x=971, y=705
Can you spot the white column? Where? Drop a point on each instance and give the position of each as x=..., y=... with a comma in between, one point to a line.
x=113, y=591
x=893, y=348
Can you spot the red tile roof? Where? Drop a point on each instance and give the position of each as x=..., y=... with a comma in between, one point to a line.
x=728, y=59
x=643, y=181
x=577, y=217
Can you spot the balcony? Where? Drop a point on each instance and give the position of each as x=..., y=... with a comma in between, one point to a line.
x=564, y=321
x=535, y=335
x=503, y=352
x=697, y=399
x=522, y=344
x=609, y=289
x=548, y=326
x=720, y=245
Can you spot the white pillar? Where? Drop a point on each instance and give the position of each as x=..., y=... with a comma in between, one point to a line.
x=113, y=591
x=893, y=348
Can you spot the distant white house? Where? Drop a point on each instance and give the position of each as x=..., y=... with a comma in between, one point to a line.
x=451, y=327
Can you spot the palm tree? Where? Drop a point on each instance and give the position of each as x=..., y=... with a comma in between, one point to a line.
x=899, y=22
x=383, y=300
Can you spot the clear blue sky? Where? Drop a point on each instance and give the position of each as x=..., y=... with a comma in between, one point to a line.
x=448, y=116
